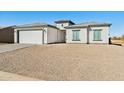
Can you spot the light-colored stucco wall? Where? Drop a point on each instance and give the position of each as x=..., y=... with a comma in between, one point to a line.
x=104, y=35
x=83, y=35
x=59, y=25
x=15, y=36
x=61, y=36
x=55, y=35
x=45, y=35
x=51, y=35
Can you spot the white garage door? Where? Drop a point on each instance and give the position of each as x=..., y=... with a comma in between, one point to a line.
x=33, y=37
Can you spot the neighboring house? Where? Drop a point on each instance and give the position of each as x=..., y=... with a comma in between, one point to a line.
x=90, y=32
x=7, y=34
x=64, y=31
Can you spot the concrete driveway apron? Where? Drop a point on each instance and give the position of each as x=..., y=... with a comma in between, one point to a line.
x=11, y=47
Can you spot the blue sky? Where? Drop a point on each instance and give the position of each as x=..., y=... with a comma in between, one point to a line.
x=8, y=18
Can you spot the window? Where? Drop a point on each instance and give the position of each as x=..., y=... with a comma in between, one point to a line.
x=97, y=34
x=76, y=34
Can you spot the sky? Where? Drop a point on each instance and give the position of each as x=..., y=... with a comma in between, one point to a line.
x=116, y=18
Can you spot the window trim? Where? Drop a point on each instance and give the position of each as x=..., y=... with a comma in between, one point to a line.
x=94, y=33
x=76, y=40
x=79, y=36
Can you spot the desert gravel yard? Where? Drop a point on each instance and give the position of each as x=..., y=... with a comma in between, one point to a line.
x=4, y=76
x=66, y=62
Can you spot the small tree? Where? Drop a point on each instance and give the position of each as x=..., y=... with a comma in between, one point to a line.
x=122, y=37
x=114, y=38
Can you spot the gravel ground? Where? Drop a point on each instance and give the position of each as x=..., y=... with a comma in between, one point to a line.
x=66, y=62
x=5, y=76
x=3, y=43
x=11, y=47
x=121, y=42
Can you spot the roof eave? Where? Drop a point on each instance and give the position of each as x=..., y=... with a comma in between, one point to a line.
x=36, y=26
x=65, y=22
x=88, y=26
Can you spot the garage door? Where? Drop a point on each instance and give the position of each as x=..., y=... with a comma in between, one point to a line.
x=33, y=37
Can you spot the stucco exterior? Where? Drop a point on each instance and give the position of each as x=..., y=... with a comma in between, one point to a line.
x=83, y=35
x=55, y=35
x=104, y=35
x=42, y=33
x=62, y=25
x=38, y=35
x=52, y=35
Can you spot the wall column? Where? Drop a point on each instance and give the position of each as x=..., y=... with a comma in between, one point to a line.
x=15, y=35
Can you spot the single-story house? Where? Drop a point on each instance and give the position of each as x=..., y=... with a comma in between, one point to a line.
x=7, y=34
x=36, y=33
x=89, y=32
x=64, y=31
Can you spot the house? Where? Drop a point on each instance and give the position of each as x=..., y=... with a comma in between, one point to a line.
x=90, y=32
x=61, y=24
x=36, y=33
x=64, y=31
x=7, y=34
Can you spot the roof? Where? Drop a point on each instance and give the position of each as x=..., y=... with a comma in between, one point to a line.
x=35, y=25
x=8, y=27
x=86, y=24
x=64, y=21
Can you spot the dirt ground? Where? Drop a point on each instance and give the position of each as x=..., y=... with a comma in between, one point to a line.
x=121, y=42
x=5, y=76
x=3, y=43
x=66, y=62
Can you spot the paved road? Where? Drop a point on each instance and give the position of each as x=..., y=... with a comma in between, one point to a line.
x=11, y=47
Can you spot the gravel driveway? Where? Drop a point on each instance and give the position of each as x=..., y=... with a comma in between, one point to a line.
x=66, y=62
